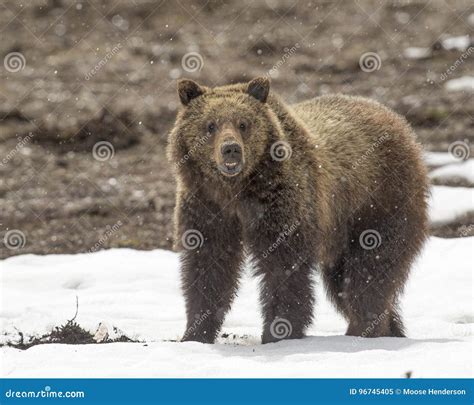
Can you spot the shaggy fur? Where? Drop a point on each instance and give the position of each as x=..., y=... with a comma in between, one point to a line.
x=335, y=183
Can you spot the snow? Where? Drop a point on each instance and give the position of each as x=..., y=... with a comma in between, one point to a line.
x=463, y=170
x=460, y=84
x=439, y=158
x=138, y=292
x=417, y=53
x=459, y=43
x=449, y=203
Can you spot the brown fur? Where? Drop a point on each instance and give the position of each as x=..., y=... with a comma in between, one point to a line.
x=354, y=167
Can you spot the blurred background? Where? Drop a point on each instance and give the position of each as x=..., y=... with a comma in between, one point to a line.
x=87, y=97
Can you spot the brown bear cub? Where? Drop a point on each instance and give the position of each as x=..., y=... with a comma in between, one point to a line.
x=334, y=184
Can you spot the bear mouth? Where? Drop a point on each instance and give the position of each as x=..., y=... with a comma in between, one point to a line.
x=230, y=169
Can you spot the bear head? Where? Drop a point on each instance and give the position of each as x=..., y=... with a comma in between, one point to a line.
x=223, y=132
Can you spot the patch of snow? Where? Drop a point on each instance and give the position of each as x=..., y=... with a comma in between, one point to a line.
x=439, y=158
x=459, y=43
x=464, y=170
x=139, y=292
x=450, y=203
x=462, y=83
x=417, y=53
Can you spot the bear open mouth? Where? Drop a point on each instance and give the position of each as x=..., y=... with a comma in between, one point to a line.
x=230, y=168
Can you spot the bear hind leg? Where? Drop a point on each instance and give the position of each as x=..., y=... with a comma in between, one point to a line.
x=364, y=289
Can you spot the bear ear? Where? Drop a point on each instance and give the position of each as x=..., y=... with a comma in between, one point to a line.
x=188, y=90
x=259, y=88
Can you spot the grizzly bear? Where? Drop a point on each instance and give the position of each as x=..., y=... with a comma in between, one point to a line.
x=335, y=184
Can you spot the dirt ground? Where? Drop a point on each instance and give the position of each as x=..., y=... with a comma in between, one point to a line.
x=105, y=71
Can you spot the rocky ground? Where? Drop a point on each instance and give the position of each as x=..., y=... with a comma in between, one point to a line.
x=76, y=74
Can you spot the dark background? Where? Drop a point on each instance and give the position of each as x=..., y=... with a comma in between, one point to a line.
x=106, y=70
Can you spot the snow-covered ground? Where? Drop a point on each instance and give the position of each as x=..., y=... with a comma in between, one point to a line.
x=449, y=203
x=464, y=170
x=139, y=293
x=464, y=83
x=439, y=158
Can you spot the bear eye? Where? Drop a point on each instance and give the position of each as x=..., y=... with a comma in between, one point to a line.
x=242, y=126
x=211, y=127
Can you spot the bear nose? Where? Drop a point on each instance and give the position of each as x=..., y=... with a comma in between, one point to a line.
x=231, y=150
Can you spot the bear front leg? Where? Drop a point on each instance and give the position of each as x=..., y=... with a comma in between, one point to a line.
x=210, y=265
x=286, y=292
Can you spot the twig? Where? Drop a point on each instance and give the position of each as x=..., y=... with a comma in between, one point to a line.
x=77, y=311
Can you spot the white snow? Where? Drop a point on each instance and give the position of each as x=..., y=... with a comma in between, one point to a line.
x=463, y=170
x=460, y=84
x=139, y=293
x=458, y=43
x=439, y=158
x=450, y=203
x=417, y=53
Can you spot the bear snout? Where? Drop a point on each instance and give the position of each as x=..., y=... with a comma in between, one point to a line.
x=231, y=151
x=230, y=161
